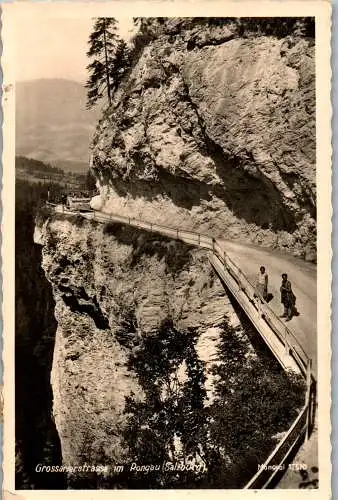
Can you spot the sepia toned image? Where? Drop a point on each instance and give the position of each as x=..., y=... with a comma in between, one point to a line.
x=170, y=207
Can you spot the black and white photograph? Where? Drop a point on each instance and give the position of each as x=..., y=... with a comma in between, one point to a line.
x=169, y=329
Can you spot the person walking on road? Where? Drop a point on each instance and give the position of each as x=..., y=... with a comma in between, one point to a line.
x=262, y=283
x=287, y=297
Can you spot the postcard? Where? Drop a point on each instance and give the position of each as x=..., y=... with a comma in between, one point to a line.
x=166, y=249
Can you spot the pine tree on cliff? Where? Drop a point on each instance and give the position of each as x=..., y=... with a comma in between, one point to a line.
x=121, y=62
x=110, y=60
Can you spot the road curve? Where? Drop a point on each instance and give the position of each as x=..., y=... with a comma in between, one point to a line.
x=303, y=277
x=248, y=258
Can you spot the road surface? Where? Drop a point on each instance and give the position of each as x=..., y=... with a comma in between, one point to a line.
x=303, y=277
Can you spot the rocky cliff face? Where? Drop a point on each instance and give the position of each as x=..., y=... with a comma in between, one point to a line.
x=114, y=287
x=214, y=129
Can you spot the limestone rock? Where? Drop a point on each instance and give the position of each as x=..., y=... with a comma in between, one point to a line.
x=215, y=130
x=113, y=287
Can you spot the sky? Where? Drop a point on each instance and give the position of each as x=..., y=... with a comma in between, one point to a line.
x=56, y=47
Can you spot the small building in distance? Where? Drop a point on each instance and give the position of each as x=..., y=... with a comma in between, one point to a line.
x=78, y=203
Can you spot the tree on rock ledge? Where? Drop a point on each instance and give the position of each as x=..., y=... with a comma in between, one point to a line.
x=110, y=60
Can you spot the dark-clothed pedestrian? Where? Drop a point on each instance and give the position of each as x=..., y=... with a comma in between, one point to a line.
x=287, y=297
x=262, y=283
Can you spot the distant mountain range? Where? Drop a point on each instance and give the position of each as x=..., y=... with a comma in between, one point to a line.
x=35, y=171
x=53, y=124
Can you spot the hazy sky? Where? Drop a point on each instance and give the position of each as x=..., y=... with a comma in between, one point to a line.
x=56, y=48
